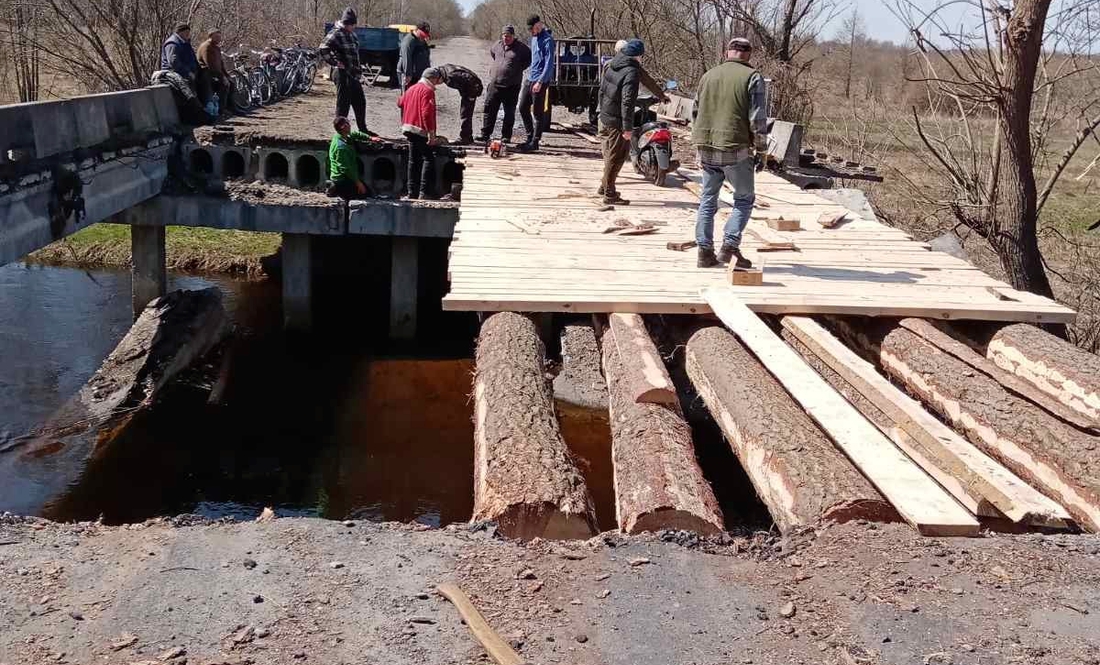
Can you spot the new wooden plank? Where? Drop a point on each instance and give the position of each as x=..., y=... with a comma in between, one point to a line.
x=979, y=476
x=918, y=499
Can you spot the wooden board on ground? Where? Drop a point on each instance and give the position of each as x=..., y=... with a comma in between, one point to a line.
x=494, y=645
x=977, y=477
x=918, y=499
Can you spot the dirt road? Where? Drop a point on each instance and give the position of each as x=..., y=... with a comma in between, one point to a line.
x=315, y=591
x=309, y=117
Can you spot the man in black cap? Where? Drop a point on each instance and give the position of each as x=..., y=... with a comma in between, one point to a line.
x=730, y=123
x=469, y=88
x=536, y=91
x=177, y=55
x=341, y=50
x=415, y=55
x=510, y=57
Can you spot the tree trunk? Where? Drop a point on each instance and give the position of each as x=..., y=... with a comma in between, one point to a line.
x=1068, y=373
x=796, y=470
x=658, y=482
x=1014, y=233
x=524, y=477
x=580, y=382
x=1059, y=460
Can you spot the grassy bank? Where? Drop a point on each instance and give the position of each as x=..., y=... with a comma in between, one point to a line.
x=188, y=249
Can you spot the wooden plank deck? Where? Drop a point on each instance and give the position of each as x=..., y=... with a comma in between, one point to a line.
x=530, y=238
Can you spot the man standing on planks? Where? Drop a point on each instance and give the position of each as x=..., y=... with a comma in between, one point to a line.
x=469, y=88
x=618, y=94
x=415, y=55
x=510, y=57
x=731, y=121
x=418, y=124
x=341, y=50
x=536, y=91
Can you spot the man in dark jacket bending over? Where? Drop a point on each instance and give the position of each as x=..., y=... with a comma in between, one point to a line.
x=469, y=87
x=618, y=94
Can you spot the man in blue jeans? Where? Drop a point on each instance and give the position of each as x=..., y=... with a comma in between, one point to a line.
x=730, y=123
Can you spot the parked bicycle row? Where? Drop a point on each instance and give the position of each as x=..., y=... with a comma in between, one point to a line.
x=210, y=83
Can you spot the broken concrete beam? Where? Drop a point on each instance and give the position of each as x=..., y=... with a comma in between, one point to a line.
x=658, y=482
x=170, y=334
x=524, y=477
x=796, y=470
x=1052, y=456
x=1067, y=372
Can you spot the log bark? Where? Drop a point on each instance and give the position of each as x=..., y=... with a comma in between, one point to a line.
x=1068, y=373
x=525, y=479
x=170, y=334
x=939, y=335
x=580, y=381
x=978, y=482
x=658, y=482
x=797, y=471
x=651, y=383
x=1052, y=456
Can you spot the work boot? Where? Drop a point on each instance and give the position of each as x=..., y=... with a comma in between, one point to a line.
x=482, y=139
x=614, y=198
x=599, y=190
x=706, y=258
x=728, y=254
x=529, y=146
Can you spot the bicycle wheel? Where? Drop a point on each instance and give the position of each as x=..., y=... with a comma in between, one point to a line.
x=305, y=81
x=262, y=91
x=288, y=79
x=240, y=92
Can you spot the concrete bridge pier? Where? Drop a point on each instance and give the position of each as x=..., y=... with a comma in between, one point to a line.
x=404, y=269
x=298, y=281
x=148, y=275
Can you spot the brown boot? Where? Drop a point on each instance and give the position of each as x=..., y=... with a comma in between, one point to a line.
x=728, y=254
x=614, y=198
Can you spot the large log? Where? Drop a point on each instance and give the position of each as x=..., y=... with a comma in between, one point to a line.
x=170, y=334
x=942, y=336
x=649, y=381
x=1067, y=372
x=524, y=477
x=1049, y=454
x=797, y=472
x=580, y=382
x=658, y=482
x=977, y=481
x=917, y=498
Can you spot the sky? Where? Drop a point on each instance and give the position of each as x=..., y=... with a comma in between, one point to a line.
x=879, y=22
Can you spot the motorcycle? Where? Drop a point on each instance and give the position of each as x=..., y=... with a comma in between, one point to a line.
x=652, y=148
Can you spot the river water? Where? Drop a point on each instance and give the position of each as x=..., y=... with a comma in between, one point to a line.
x=332, y=425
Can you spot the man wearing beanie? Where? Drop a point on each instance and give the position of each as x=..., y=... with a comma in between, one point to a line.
x=418, y=124
x=536, y=91
x=415, y=55
x=730, y=122
x=341, y=50
x=618, y=95
x=510, y=57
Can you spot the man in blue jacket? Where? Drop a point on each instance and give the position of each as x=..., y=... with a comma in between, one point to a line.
x=536, y=89
x=177, y=55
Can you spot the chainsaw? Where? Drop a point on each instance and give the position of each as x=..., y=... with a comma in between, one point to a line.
x=495, y=148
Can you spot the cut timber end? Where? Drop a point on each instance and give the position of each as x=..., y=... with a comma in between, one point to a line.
x=745, y=276
x=524, y=478
x=798, y=473
x=780, y=224
x=831, y=220
x=658, y=482
x=922, y=502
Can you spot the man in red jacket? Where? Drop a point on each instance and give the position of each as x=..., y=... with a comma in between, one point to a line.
x=418, y=124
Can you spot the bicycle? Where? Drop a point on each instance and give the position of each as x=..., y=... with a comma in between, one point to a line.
x=244, y=94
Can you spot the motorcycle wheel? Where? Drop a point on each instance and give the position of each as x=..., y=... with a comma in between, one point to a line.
x=659, y=176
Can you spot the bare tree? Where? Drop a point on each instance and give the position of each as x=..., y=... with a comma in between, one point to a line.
x=20, y=21
x=1015, y=72
x=852, y=29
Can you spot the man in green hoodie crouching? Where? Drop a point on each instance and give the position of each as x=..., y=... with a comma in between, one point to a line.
x=345, y=180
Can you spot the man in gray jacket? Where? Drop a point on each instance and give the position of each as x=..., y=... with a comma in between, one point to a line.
x=618, y=95
x=415, y=55
x=510, y=57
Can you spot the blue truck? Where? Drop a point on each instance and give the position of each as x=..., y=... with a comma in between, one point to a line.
x=378, y=51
